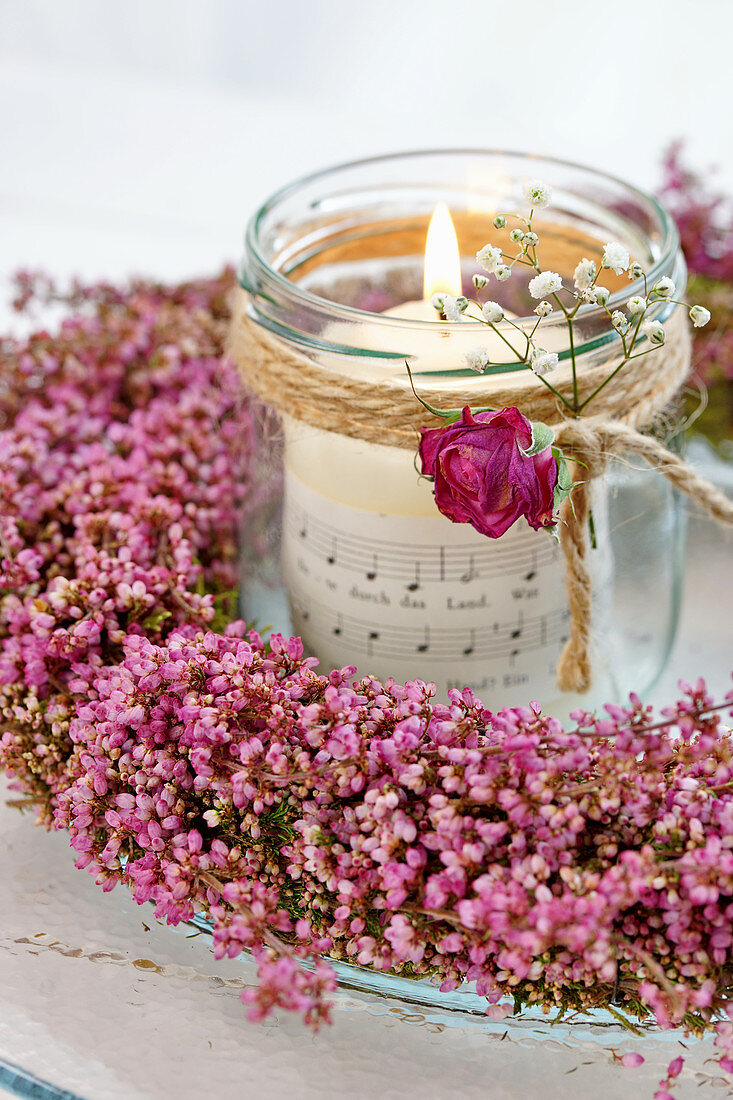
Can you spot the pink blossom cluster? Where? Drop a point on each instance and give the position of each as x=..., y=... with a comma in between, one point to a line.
x=705, y=222
x=312, y=816
x=704, y=219
x=124, y=445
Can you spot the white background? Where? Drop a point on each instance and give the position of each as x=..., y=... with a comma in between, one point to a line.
x=140, y=136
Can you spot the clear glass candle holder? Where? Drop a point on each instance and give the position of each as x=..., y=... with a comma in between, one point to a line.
x=345, y=545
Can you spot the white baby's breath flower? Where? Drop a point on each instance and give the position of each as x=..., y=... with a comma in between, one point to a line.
x=699, y=316
x=636, y=305
x=516, y=235
x=547, y=282
x=654, y=331
x=585, y=273
x=503, y=272
x=489, y=258
x=615, y=257
x=499, y=221
x=619, y=321
x=665, y=288
x=544, y=309
x=437, y=302
x=453, y=307
x=492, y=312
x=602, y=294
x=530, y=240
x=542, y=362
x=537, y=193
x=480, y=281
x=478, y=359
x=636, y=271
x=590, y=295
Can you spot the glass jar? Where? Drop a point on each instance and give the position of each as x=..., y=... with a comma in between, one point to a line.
x=346, y=546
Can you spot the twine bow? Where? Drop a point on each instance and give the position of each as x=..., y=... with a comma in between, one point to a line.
x=387, y=413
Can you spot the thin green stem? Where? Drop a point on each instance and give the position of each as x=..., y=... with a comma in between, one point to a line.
x=571, y=336
x=557, y=393
x=598, y=389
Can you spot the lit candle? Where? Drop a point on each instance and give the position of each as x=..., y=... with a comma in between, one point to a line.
x=442, y=272
x=376, y=576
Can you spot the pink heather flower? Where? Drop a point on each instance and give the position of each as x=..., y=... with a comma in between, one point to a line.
x=674, y=1069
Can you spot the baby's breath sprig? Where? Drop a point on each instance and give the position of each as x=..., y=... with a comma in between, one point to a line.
x=636, y=325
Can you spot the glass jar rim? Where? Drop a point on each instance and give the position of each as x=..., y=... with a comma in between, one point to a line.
x=255, y=260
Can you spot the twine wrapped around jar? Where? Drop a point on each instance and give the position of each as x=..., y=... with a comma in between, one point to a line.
x=626, y=408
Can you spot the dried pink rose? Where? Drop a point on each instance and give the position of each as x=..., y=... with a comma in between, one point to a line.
x=482, y=475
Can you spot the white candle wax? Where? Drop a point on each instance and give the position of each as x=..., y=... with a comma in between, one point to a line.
x=379, y=578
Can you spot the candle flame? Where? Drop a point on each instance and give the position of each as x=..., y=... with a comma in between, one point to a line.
x=442, y=258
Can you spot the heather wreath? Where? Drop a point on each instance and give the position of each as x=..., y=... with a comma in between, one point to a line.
x=313, y=817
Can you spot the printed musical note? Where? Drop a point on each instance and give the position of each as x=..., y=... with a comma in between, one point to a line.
x=414, y=585
x=470, y=647
x=339, y=625
x=372, y=637
x=304, y=529
x=331, y=559
x=372, y=574
x=530, y=576
x=517, y=632
x=514, y=653
x=470, y=573
x=425, y=644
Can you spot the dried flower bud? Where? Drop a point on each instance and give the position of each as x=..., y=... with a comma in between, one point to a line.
x=615, y=257
x=489, y=258
x=665, y=288
x=542, y=362
x=636, y=305
x=492, y=312
x=537, y=193
x=654, y=331
x=478, y=359
x=699, y=316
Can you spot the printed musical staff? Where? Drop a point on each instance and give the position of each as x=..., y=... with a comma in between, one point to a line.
x=420, y=596
x=444, y=643
x=413, y=562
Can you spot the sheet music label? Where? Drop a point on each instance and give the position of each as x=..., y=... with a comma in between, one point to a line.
x=419, y=596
